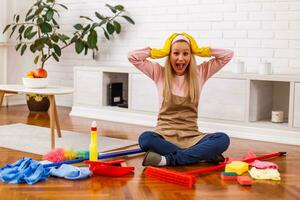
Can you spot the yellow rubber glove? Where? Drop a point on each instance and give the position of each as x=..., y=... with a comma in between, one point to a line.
x=202, y=51
x=160, y=53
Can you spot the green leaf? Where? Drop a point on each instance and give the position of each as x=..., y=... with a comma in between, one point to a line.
x=39, y=21
x=54, y=38
x=19, y=38
x=119, y=7
x=110, y=28
x=111, y=8
x=101, y=23
x=21, y=29
x=45, y=27
x=62, y=5
x=38, y=11
x=17, y=18
x=39, y=44
x=105, y=34
x=29, y=11
x=78, y=26
x=86, y=48
x=86, y=18
x=57, y=49
x=32, y=48
x=98, y=15
x=56, y=12
x=28, y=31
x=13, y=30
x=49, y=42
x=74, y=39
x=79, y=46
x=31, y=35
x=128, y=19
x=55, y=23
x=30, y=17
x=94, y=26
x=86, y=28
x=44, y=57
x=6, y=27
x=36, y=59
x=63, y=38
x=92, y=39
x=18, y=46
x=38, y=3
x=117, y=27
x=49, y=14
x=23, y=49
x=55, y=57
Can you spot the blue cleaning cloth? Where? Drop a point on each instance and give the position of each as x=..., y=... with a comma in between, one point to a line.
x=24, y=170
x=70, y=172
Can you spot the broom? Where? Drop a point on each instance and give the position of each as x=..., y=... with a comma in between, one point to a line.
x=187, y=179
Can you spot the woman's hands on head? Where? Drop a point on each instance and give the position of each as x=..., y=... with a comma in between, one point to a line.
x=165, y=50
x=202, y=51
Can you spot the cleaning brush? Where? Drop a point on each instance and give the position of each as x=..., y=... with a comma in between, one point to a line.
x=187, y=179
x=101, y=156
x=170, y=176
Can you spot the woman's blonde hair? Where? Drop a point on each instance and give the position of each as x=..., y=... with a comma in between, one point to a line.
x=192, y=82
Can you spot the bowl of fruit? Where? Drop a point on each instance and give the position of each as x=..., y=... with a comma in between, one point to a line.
x=36, y=79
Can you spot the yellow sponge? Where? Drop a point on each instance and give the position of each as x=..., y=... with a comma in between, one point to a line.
x=238, y=167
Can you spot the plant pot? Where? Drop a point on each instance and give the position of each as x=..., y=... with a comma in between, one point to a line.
x=37, y=102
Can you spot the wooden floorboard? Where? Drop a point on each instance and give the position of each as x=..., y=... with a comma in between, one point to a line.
x=136, y=185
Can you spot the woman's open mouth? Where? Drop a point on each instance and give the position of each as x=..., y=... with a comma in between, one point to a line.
x=180, y=66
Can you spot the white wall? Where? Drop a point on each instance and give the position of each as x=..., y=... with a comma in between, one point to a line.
x=256, y=30
x=3, y=16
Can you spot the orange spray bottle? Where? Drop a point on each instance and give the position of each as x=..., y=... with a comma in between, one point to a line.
x=94, y=142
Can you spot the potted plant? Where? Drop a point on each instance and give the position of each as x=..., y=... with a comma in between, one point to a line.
x=39, y=33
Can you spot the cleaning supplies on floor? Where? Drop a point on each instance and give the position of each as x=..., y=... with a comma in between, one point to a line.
x=264, y=165
x=238, y=167
x=271, y=174
x=70, y=172
x=24, y=170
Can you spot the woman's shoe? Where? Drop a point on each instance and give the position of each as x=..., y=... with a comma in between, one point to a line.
x=218, y=159
x=151, y=159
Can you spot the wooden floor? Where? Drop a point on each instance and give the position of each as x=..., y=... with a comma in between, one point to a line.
x=137, y=186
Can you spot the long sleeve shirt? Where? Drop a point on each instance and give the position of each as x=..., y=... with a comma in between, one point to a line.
x=155, y=71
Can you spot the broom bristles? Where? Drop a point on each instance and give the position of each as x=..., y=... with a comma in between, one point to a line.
x=169, y=176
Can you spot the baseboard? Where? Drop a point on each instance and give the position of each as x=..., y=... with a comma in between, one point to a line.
x=233, y=130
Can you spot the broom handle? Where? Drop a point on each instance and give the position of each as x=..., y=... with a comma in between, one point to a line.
x=103, y=156
x=222, y=165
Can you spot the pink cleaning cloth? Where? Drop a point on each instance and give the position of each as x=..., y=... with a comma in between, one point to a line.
x=264, y=165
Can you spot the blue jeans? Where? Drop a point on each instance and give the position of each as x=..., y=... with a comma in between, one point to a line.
x=207, y=148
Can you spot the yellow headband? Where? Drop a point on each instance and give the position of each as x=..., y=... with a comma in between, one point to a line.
x=165, y=50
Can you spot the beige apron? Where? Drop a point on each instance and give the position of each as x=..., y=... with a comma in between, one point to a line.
x=177, y=122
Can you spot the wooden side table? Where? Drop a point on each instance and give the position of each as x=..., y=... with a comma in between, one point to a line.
x=50, y=91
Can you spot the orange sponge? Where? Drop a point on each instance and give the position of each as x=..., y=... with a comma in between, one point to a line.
x=244, y=180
